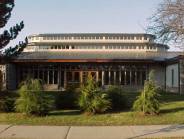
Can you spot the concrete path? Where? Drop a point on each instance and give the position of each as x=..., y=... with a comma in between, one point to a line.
x=90, y=132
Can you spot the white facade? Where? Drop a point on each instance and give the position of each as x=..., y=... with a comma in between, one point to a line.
x=93, y=42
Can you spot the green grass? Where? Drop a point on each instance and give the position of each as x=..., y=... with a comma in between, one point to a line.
x=172, y=112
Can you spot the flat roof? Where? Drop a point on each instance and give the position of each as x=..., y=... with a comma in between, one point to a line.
x=93, y=34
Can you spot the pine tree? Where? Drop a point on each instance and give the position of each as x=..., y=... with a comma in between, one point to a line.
x=6, y=7
x=32, y=100
x=147, y=102
x=92, y=100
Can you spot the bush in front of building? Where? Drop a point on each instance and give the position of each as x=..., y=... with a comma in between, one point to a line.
x=67, y=99
x=118, y=98
x=92, y=100
x=32, y=100
x=7, y=101
x=147, y=102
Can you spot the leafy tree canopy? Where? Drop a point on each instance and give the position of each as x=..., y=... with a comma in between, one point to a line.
x=6, y=7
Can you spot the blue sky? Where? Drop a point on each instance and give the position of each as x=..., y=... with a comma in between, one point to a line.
x=68, y=16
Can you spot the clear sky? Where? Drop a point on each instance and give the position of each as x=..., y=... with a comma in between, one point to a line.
x=82, y=16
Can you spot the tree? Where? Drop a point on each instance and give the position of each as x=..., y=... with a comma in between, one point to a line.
x=6, y=6
x=147, y=102
x=168, y=22
x=32, y=100
x=92, y=100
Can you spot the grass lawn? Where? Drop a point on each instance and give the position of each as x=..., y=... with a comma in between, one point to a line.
x=172, y=112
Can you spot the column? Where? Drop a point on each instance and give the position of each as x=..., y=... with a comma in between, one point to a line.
x=18, y=76
x=97, y=76
x=120, y=77
x=136, y=77
x=73, y=76
x=102, y=78
x=48, y=76
x=33, y=73
x=125, y=78
x=141, y=81
x=65, y=79
x=43, y=75
x=38, y=73
x=130, y=77
x=81, y=79
x=114, y=77
x=53, y=76
x=109, y=77
x=59, y=77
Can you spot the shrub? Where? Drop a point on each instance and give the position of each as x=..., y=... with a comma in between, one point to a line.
x=32, y=100
x=117, y=97
x=7, y=101
x=147, y=102
x=67, y=99
x=92, y=100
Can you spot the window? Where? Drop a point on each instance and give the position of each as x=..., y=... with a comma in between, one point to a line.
x=132, y=37
x=67, y=47
x=172, y=77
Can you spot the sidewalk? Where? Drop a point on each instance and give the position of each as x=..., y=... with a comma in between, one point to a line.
x=90, y=132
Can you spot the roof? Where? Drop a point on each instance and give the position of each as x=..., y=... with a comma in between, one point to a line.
x=95, y=56
x=93, y=34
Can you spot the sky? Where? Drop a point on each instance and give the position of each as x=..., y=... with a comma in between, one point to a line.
x=82, y=16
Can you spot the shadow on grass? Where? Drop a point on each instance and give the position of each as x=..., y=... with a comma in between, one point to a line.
x=65, y=112
x=170, y=97
x=165, y=111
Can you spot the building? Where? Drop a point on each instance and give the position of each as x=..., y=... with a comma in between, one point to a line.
x=61, y=60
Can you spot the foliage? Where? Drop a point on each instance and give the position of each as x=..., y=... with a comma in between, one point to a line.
x=6, y=7
x=167, y=23
x=9, y=52
x=67, y=99
x=92, y=100
x=1, y=80
x=7, y=101
x=172, y=112
x=117, y=97
x=147, y=102
x=32, y=100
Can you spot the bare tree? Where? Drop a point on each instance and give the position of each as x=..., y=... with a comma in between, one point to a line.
x=168, y=22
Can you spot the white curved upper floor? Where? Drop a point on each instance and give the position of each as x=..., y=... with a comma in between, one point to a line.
x=93, y=42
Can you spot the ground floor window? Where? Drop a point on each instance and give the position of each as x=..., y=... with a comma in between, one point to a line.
x=62, y=75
